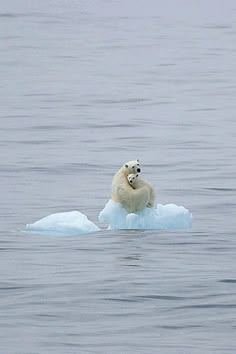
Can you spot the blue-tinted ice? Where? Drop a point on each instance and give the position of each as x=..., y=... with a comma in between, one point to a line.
x=67, y=223
x=169, y=216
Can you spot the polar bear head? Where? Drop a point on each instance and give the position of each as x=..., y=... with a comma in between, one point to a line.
x=132, y=179
x=132, y=167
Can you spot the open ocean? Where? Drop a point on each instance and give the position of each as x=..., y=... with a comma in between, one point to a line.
x=86, y=86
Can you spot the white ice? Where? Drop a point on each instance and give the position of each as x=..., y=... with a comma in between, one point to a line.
x=67, y=223
x=169, y=216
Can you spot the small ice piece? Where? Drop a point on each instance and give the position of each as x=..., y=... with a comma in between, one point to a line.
x=169, y=216
x=67, y=223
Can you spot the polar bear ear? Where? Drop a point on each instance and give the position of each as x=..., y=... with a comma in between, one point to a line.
x=137, y=160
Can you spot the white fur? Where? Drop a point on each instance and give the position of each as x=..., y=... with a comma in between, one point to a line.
x=136, y=182
x=131, y=199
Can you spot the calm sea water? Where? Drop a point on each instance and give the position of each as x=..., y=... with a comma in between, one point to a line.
x=86, y=86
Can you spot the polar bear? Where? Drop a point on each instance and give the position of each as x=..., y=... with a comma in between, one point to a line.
x=136, y=182
x=131, y=199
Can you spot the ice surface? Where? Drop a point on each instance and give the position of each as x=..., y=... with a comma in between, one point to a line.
x=169, y=216
x=67, y=223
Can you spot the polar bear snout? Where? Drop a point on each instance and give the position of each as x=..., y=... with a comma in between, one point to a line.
x=138, y=170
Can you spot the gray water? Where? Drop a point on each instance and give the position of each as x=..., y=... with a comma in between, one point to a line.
x=86, y=86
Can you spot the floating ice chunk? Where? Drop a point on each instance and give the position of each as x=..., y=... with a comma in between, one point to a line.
x=169, y=216
x=67, y=223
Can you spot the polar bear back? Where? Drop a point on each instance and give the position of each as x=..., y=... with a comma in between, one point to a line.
x=136, y=182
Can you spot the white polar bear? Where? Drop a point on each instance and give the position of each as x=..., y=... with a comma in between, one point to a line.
x=131, y=199
x=136, y=182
